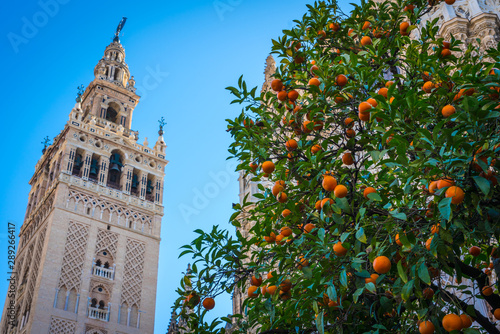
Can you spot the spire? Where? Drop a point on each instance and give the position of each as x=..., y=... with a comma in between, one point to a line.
x=119, y=29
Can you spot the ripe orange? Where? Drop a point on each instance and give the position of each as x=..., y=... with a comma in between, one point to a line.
x=282, y=95
x=271, y=289
x=409, y=8
x=293, y=95
x=364, y=107
x=389, y=84
x=383, y=91
x=445, y=183
x=445, y=53
x=305, y=126
x=366, y=40
x=373, y=102
x=339, y=249
x=285, y=213
x=466, y=320
x=474, y=251
x=372, y=279
x=456, y=194
x=340, y=191
x=435, y=229
x=433, y=186
x=347, y=159
x=382, y=264
x=329, y=183
x=403, y=28
x=341, y=80
x=270, y=275
x=398, y=241
x=208, y=303
x=364, y=116
x=428, y=86
x=428, y=244
x=496, y=313
x=271, y=238
x=291, y=145
x=487, y=291
x=268, y=167
x=282, y=197
x=350, y=133
x=309, y=227
x=286, y=231
x=315, y=149
x=286, y=285
x=452, y=322
x=256, y=281
x=252, y=291
x=321, y=34
x=314, y=82
x=277, y=85
x=313, y=69
x=448, y=110
x=366, y=25
x=325, y=200
x=253, y=166
x=428, y=293
x=349, y=122
x=303, y=262
x=367, y=191
x=426, y=327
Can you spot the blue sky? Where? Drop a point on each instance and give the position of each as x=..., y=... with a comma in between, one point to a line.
x=182, y=54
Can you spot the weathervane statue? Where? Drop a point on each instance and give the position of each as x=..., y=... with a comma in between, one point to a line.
x=119, y=28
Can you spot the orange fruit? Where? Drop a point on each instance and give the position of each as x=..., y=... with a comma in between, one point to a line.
x=341, y=80
x=373, y=102
x=340, y=191
x=364, y=116
x=329, y=183
x=382, y=264
x=350, y=133
x=366, y=25
x=270, y=275
x=313, y=69
x=466, y=319
x=268, y=167
x=325, y=200
x=428, y=86
x=314, y=82
x=367, y=191
x=277, y=85
x=253, y=166
x=315, y=149
x=208, y=303
x=347, y=159
x=321, y=34
x=428, y=244
x=286, y=231
x=383, y=91
x=285, y=213
x=445, y=183
x=271, y=289
x=409, y=8
x=366, y=40
x=403, y=28
x=372, y=279
x=389, y=84
x=428, y=293
x=303, y=262
x=487, y=291
x=286, y=285
x=474, y=251
x=435, y=229
x=452, y=322
x=349, y=122
x=271, y=238
x=282, y=95
x=335, y=26
x=252, y=291
x=282, y=197
x=277, y=188
x=456, y=194
x=448, y=110
x=433, y=186
x=291, y=145
x=398, y=241
x=364, y=107
x=256, y=281
x=426, y=327
x=339, y=249
x=309, y=227
x=445, y=53
x=496, y=313
x=293, y=95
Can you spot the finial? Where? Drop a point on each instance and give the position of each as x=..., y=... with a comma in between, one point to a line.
x=188, y=271
x=162, y=124
x=119, y=28
x=81, y=90
x=45, y=142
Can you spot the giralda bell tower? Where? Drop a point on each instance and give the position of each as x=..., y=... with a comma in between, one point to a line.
x=87, y=259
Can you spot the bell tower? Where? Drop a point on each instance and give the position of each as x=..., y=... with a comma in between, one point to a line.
x=87, y=259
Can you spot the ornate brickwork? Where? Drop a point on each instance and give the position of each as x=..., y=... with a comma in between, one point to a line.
x=61, y=326
x=94, y=330
x=106, y=241
x=134, y=266
x=35, y=220
x=74, y=256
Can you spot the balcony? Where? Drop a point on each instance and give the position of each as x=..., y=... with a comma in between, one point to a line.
x=98, y=314
x=108, y=273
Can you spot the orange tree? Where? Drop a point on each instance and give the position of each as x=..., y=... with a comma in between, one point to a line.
x=375, y=152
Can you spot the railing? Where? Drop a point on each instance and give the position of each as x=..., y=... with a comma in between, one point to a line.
x=99, y=314
x=104, y=272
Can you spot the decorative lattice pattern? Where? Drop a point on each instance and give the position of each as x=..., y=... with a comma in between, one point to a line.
x=106, y=241
x=36, y=218
x=74, y=256
x=94, y=330
x=34, y=266
x=101, y=208
x=61, y=326
x=132, y=274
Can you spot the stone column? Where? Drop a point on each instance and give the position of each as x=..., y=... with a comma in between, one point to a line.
x=86, y=165
x=68, y=159
x=126, y=178
x=143, y=182
x=103, y=170
x=158, y=190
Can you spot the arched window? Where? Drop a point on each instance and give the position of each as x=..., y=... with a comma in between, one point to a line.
x=115, y=170
x=106, y=265
x=112, y=112
x=94, y=167
x=135, y=186
x=93, y=303
x=101, y=304
x=98, y=263
x=78, y=163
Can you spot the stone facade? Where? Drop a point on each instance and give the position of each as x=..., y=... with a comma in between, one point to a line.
x=87, y=259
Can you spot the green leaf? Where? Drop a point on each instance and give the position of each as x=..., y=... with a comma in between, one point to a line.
x=331, y=292
x=319, y=323
x=423, y=273
x=356, y=294
x=445, y=208
x=343, y=278
x=307, y=272
x=483, y=184
x=370, y=287
x=399, y=215
x=407, y=290
x=361, y=236
x=375, y=197
x=402, y=272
